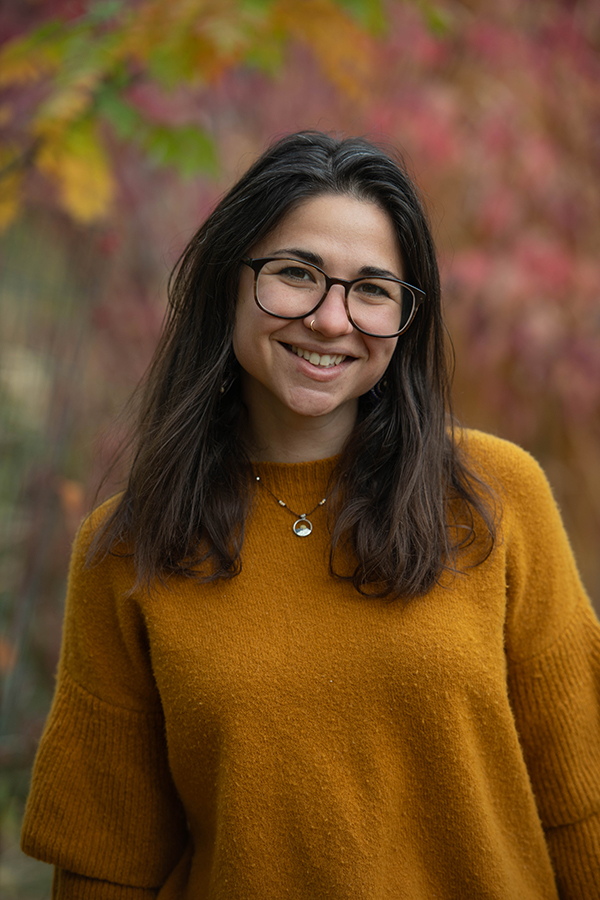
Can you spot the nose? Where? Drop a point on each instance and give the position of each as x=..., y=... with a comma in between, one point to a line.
x=331, y=318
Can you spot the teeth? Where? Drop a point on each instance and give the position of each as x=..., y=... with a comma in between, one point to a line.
x=327, y=360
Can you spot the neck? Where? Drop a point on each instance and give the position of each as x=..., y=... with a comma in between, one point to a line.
x=284, y=436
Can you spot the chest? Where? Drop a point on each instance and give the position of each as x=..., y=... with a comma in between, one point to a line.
x=290, y=639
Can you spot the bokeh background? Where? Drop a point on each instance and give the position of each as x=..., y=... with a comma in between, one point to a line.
x=121, y=124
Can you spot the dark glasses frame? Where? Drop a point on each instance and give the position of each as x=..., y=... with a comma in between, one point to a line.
x=257, y=264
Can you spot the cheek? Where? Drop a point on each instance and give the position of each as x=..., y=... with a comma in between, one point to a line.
x=241, y=348
x=382, y=355
x=249, y=336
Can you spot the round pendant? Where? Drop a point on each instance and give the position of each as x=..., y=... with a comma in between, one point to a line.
x=302, y=527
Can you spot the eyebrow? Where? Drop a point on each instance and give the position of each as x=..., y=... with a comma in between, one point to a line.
x=316, y=260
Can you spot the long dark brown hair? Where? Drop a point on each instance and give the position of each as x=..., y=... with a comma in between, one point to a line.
x=405, y=500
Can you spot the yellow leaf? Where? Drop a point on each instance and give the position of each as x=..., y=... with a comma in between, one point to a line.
x=69, y=102
x=11, y=179
x=344, y=52
x=22, y=62
x=157, y=20
x=198, y=38
x=75, y=161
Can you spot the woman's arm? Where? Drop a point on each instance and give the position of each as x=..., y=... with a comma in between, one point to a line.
x=102, y=804
x=553, y=657
x=69, y=886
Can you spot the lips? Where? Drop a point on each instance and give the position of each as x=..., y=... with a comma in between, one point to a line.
x=325, y=360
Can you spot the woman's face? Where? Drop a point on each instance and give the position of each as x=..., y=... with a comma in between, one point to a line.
x=345, y=237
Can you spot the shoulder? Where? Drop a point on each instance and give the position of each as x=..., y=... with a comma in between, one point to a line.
x=104, y=636
x=530, y=517
x=500, y=456
x=97, y=518
x=543, y=589
x=92, y=560
x=93, y=525
x=511, y=472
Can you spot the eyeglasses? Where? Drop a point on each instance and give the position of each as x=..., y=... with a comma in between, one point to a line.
x=293, y=289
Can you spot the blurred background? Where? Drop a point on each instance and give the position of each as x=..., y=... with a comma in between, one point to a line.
x=121, y=124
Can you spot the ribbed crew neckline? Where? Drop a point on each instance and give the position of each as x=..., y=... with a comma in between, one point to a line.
x=300, y=484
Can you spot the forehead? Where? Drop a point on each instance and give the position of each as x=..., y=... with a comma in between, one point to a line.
x=338, y=227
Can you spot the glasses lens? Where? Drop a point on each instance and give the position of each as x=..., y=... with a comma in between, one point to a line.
x=380, y=306
x=287, y=287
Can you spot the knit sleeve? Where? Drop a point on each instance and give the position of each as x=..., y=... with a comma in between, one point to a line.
x=102, y=804
x=69, y=886
x=553, y=653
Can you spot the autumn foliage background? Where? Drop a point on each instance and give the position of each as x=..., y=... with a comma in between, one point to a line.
x=121, y=124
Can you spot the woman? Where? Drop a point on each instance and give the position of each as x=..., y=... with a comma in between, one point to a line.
x=321, y=647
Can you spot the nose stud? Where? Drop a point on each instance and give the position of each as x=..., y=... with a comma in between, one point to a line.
x=312, y=325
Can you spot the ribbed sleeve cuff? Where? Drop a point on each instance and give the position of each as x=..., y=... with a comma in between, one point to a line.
x=69, y=886
x=575, y=851
x=102, y=800
x=555, y=702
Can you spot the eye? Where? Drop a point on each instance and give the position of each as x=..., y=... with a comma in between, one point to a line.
x=296, y=273
x=372, y=290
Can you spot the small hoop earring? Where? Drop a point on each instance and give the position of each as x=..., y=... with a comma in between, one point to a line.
x=377, y=392
x=312, y=325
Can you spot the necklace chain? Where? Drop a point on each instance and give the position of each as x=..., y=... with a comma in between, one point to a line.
x=302, y=526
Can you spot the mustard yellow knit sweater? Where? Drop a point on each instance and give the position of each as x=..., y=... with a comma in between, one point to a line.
x=280, y=737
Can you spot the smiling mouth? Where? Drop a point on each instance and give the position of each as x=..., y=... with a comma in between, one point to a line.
x=326, y=361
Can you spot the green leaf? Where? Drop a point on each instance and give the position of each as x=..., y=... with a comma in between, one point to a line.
x=169, y=66
x=369, y=13
x=86, y=52
x=42, y=48
x=49, y=29
x=255, y=5
x=120, y=77
x=438, y=20
x=126, y=120
x=267, y=56
x=187, y=148
x=101, y=11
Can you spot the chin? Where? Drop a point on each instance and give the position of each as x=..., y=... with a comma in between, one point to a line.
x=317, y=406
